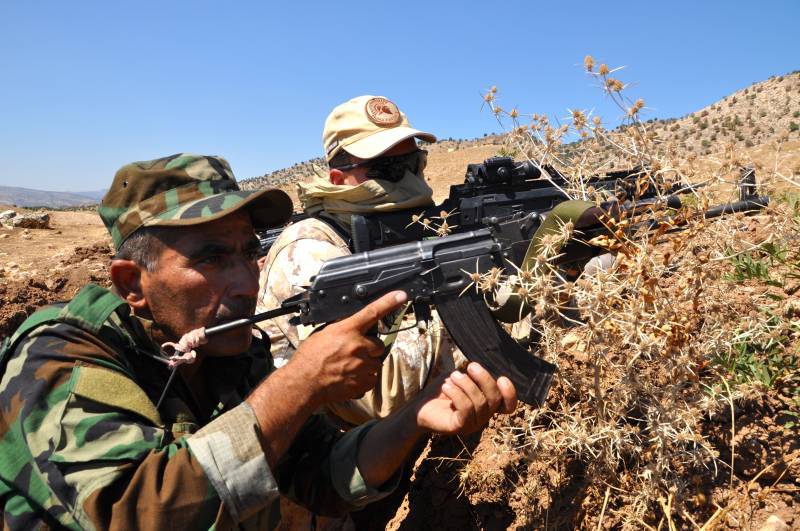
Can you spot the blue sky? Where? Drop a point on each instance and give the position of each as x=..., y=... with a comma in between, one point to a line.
x=88, y=86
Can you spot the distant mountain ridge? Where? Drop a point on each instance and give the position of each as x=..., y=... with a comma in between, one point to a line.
x=97, y=195
x=763, y=112
x=26, y=197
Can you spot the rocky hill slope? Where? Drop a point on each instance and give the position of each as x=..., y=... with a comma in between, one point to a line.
x=763, y=112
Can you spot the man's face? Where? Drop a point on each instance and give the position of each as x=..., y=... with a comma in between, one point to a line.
x=207, y=276
x=356, y=176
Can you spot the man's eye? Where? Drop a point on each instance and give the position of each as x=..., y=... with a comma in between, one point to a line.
x=213, y=259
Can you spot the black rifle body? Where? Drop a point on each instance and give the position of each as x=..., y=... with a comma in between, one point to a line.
x=432, y=272
x=497, y=189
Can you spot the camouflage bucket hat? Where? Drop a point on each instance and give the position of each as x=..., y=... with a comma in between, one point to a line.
x=184, y=189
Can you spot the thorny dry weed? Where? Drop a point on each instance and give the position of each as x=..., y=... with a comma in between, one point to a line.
x=648, y=347
x=437, y=225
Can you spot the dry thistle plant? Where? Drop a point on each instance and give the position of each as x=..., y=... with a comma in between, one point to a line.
x=438, y=225
x=642, y=344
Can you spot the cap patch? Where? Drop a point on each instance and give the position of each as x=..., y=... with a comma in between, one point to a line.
x=382, y=112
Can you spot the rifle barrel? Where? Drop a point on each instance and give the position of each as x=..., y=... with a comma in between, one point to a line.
x=745, y=205
x=263, y=316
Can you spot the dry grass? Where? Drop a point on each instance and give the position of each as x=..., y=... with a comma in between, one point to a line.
x=653, y=347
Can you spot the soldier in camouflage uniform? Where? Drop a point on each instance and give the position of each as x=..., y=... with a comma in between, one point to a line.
x=97, y=432
x=375, y=166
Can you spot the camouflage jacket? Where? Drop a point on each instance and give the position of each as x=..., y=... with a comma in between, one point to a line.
x=82, y=445
x=416, y=355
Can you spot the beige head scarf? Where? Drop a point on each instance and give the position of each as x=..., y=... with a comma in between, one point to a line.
x=369, y=197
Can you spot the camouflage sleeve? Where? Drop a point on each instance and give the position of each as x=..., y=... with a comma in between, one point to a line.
x=229, y=451
x=322, y=456
x=81, y=445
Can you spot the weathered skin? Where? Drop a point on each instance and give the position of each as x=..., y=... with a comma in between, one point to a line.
x=416, y=355
x=82, y=444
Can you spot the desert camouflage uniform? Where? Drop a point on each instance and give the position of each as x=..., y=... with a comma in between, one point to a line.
x=416, y=355
x=83, y=446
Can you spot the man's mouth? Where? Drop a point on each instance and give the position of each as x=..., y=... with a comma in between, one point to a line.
x=234, y=311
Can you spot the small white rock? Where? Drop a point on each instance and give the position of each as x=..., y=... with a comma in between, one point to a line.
x=774, y=523
x=569, y=340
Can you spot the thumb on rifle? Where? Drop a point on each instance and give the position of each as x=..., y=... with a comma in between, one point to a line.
x=368, y=317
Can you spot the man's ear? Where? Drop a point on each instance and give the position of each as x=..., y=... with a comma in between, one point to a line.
x=126, y=275
x=336, y=176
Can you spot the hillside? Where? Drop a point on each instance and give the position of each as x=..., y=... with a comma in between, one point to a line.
x=760, y=114
x=763, y=112
x=25, y=197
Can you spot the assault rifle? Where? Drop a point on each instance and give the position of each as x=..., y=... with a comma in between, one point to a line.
x=438, y=272
x=493, y=190
x=498, y=189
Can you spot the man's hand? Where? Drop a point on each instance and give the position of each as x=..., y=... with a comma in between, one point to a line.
x=338, y=362
x=341, y=361
x=466, y=401
x=459, y=404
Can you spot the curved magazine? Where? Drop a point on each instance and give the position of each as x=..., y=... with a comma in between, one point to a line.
x=482, y=339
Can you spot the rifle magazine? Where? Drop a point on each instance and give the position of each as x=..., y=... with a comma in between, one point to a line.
x=483, y=340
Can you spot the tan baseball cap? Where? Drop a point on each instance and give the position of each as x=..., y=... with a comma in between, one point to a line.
x=366, y=127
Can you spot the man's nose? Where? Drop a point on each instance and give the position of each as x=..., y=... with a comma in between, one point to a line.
x=244, y=278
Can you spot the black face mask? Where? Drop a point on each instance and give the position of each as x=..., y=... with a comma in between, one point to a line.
x=393, y=168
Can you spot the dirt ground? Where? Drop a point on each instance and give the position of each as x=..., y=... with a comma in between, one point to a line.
x=40, y=266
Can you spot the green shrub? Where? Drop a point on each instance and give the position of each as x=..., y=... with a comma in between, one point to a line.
x=756, y=356
x=762, y=351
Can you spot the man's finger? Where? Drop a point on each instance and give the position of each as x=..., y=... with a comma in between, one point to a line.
x=461, y=401
x=375, y=348
x=509, y=393
x=369, y=316
x=486, y=383
x=476, y=395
